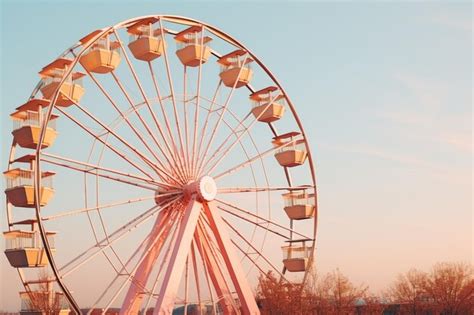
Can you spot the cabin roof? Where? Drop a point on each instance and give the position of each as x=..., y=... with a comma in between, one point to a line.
x=226, y=59
x=89, y=36
x=59, y=63
x=287, y=135
x=135, y=28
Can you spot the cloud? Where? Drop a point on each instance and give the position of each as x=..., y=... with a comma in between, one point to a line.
x=382, y=154
x=423, y=109
x=461, y=141
x=453, y=21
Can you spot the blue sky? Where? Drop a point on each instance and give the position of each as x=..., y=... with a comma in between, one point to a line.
x=384, y=91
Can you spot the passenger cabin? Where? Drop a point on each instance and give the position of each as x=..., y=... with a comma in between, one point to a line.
x=146, y=43
x=27, y=121
x=268, y=104
x=102, y=56
x=24, y=249
x=20, y=190
x=296, y=255
x=70, y=91
x=41, y=301
x=235, y=68
x=292, y=151
x=193, y=46
x=299, y=205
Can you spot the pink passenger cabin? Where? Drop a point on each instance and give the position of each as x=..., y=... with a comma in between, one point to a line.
x=235, y=68
x=70, y=92
x=292, y=152
x=146, y=43
x=20, y=189
x=27, y=121
x=103, y=56
x=25, y=250
x=268, y=104
x=193, y=49
x=299, y=205
x=296, y=255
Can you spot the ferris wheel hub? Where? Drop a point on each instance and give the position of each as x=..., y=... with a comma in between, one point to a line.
x=204, y=188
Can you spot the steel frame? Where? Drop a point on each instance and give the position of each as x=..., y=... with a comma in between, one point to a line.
x=182, y=164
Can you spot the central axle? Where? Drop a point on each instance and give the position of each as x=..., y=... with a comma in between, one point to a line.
x=204, y=189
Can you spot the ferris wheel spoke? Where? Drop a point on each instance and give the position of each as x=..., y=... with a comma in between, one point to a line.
x=204, y=128
x=94, y=167
x=237, y=131
x=98, y=207
x=253, y=222
x=159, y=169
x=117, y=276
x=173, y=98
x=198, y=98
x=145, y=98
x=94, y=172
x=255, y=216
x=113, y=149
x=253, y=248
x=238, y=190
x=109, y=240
x=177, y=158
x=251, y=160
x=246, y=130
x=216, y=127
x=147, y=127
x=124, y=116
x=185, y=118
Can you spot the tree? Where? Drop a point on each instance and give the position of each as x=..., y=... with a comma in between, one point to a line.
x=409, y=291
x=317, y=291
x=451, y=286
x=44, y=298
x=343, y=295
x=279, y=297
x=372, y=305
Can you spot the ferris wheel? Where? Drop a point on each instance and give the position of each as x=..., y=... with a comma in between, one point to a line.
x=180, y=169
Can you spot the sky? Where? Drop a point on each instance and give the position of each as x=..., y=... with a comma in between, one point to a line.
x=383, y=90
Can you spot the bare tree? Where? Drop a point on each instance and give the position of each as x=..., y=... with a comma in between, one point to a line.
x=409, y=291
x=317, y=290
x=372, y=305
x=333, y=293
x=279, y=297
x=451, y=286
x=343, y=295
x=44, y=298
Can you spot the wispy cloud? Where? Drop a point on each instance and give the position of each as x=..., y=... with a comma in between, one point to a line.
x=461, y=141
x=383, y=154
x=454, y=21
x=423, y=109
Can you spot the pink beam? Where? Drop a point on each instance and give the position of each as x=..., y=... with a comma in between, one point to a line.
x=215, y=271
x=247, y=300
x=171, y=280
x=156, y=239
